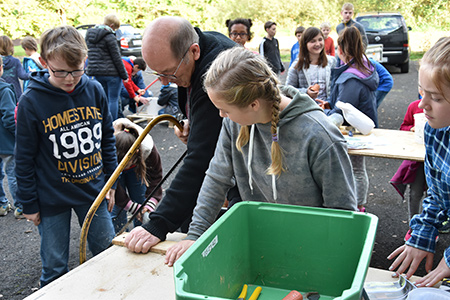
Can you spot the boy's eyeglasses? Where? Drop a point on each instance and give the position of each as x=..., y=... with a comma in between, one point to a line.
x=64, y=74
x=173, y=76
x=241, y=34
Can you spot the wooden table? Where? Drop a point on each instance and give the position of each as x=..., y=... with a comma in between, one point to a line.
x=118, y=273
x=389, y=143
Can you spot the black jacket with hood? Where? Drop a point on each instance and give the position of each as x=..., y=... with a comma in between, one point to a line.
x=104, y=53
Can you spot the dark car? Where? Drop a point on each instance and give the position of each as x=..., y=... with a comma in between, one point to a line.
x=130, y=40
x=390, y=30
x=128, y=37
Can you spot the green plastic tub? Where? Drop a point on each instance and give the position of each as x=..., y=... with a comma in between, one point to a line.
x=280, y=248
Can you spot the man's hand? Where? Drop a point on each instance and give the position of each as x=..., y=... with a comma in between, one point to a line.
x=410, y=258
x=183, y=136
x=175, y=252
x=140, y=240
x=111, y=197
x=35, y=218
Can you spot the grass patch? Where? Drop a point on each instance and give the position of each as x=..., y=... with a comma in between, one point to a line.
x=19, y=52
x=285, y=55
x=416, y=55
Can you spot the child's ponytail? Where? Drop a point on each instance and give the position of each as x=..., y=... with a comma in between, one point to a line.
x=125, y=138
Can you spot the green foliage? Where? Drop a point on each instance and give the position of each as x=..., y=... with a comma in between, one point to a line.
x=32, y=17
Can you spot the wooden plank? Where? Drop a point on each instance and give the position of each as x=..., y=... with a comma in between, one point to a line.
x=397, y=144
x=159, y=248
x=116, y=273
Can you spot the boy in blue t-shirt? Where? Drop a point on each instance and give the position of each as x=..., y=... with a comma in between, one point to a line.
x=65, y=150
x=296, y=47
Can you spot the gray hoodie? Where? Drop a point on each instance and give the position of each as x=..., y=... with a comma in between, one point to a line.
x=318, y=169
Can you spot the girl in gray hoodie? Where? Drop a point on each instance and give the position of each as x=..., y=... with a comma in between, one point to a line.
x=276, y=145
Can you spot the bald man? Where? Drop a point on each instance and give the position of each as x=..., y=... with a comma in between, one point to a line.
x=179, y=53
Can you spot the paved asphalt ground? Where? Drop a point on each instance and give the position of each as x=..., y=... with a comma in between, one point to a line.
x=19, y=239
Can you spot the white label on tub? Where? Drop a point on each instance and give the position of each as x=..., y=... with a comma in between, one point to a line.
x=211, y=245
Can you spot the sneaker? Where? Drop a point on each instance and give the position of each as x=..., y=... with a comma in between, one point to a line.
x=4, y=209
x=18, y=213
x=362, y=209
x=445, y=227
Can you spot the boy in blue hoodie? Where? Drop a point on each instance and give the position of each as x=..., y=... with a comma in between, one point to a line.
x=65, y=150
x=31, y=61
x=7, y=133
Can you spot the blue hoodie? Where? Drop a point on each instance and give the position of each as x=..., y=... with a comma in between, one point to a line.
x=349, y=85
x=12, y=72
x=65, y=145
x=7, y=123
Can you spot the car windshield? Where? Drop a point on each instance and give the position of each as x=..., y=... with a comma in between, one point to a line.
x=380, y=23
x=128, y=30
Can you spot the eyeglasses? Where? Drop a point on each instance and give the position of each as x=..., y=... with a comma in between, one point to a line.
x=173, y=76
x=64, y=74
x=241, y=34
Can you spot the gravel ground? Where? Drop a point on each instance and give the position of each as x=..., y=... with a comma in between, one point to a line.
x=19, y=247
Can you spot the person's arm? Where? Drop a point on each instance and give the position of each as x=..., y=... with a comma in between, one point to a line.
x=292, y=56
x=332, y=49
x=114, y=51
x=21, y=72
x=347, y=93
x=282, y=68
x=218, y=180
x=108, y=144
x=27, y=148
x=139, y=81
x=363, y=34
x=181, y=197
x=292, y=76
x=164, y=96
x=7, y=107
x=408, y=120
x=129, y=85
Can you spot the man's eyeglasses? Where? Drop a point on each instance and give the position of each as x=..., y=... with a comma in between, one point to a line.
x=173, y=76
x=241, y=34
x=64, y=74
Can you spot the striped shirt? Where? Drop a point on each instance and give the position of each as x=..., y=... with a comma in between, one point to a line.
x=436, y=206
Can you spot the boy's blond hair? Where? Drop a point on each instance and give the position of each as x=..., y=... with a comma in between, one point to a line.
x=6, y=46
x=240, y=77
x=348, y=6
x=438, y=59
x=325, y=25
x=29, y=43
x=63, y=42
x=112, y=21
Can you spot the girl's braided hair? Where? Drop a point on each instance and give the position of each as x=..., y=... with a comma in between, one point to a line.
x=240, y=77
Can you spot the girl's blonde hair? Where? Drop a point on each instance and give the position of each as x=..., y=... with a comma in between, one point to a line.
x=438, y=58
x=240, y=77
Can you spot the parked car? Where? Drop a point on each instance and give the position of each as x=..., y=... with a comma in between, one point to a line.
x=390, y=30
x=130, y=40
x=128, y=37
